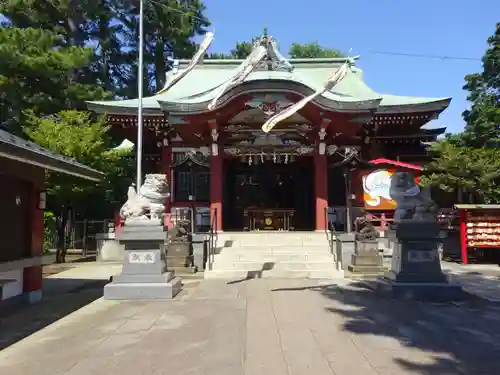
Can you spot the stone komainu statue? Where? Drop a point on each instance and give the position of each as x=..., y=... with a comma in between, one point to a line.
x=364, y=230
x=412, y=202
x=179, y=233
x=149, y=203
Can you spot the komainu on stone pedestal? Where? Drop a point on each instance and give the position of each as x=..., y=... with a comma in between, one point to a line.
x=366, y=260
x=179, y=251
x=144, y=275
x=412, y=202
x=364, y=229
x=147, y=206
x=416, y=268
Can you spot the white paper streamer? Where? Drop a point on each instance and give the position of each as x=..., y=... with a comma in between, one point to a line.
x=287, y=112
x=207, y=40
x=248, y=65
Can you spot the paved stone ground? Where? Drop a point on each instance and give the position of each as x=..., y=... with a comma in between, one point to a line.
x=275, y=327
x=480, y=279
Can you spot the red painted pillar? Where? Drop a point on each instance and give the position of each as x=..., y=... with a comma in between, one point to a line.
x=320, y=190
x=32, y=276
x=166, y=169
x=216, y=172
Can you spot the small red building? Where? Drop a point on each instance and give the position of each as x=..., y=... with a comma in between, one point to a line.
x=205, y=134
x=22, y=201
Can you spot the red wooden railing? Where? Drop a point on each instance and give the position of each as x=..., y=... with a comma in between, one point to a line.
x=381, y=220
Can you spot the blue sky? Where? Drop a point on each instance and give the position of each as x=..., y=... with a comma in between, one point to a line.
x=430, y=27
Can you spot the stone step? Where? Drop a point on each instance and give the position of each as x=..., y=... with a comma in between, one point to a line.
x=295, y=245
x=268, y=249
x=229, y=255
x=363, y=276
x=256, y=240
x=274, y=274
x=271, y=234
x=262, y=265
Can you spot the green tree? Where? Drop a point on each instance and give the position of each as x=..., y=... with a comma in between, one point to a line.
x=169, y=28
x=112, y=26
x=78, y=135
x=312, y=50
x=34, y=74
x=241, y=51
x=297, y=50
x=483, y=118
x=473, y=173
x=63, y=17
x=469, y=162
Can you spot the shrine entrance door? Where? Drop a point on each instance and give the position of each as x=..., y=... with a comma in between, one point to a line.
x=269, y=196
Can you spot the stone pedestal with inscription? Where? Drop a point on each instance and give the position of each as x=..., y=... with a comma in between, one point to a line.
x=366, y=261
x=144, y=275
x=416, y=268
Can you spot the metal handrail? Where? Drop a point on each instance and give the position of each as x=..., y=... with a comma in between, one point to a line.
x=333, y=240
x=212, y=239
x=329, y=230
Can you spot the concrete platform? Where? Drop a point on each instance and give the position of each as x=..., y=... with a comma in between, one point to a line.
x=143, y=291
x=256, y=327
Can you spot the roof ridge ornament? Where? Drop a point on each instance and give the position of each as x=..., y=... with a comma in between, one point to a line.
x=264, y=54
x=275, y=60
x=247, y=66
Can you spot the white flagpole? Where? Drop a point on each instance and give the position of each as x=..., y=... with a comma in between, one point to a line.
x=140, y=82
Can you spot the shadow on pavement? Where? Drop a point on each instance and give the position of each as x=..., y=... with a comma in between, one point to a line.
x=61, y=298
x=255, y=274
x=460, y=337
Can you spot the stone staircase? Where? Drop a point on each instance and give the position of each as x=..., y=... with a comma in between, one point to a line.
x=273, y=255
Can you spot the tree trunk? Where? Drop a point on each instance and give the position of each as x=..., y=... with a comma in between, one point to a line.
x=104, y=44
x=460, y=195
x=160, y=64
x=61, y=236
x=73, y=41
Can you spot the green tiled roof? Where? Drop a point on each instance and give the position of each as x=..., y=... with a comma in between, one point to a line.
x=197, y=89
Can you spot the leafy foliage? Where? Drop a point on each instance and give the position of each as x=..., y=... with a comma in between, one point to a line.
x=483, y=118
x=169, y=26
x=469, y=162
x=34, y=74
x=312, y=50
x=77, y=135
x=240, y=51
x=297, y=51
x=49, y=230
x=475, y=172
x=112, y=26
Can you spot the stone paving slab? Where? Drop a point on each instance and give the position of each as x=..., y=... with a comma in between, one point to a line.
x=480, y=279
x=275, y=327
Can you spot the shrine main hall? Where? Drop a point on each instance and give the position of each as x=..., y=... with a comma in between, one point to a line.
x=205, y=133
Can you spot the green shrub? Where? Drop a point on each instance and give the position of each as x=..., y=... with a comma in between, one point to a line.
x=49, y=231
